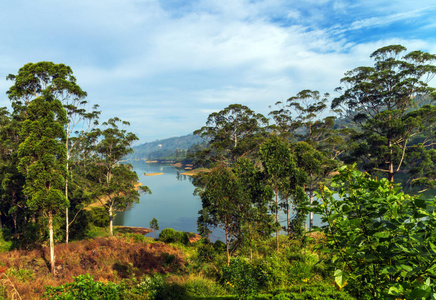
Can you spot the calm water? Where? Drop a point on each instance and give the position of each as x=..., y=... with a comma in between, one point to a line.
x=172, y=201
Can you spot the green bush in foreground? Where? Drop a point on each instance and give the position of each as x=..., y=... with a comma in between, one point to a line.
x=85, y=288
x=380, y=240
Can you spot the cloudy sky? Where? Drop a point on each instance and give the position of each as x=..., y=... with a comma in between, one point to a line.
x=165, y=65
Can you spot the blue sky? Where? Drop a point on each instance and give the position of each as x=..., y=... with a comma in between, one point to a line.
x=164, y=66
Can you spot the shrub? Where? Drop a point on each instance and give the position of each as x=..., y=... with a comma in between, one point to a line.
x=169, y=235
x=203, y=287
x=84, y=287
x=99, y=216
x=241, y=277
x=380, y=240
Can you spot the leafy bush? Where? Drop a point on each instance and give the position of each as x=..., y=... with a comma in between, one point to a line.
x=202, y=287
x=241, y=277
x=313, y=291
x=169, y=235
x=380, y=240
x=84, y=287
x=99, y=216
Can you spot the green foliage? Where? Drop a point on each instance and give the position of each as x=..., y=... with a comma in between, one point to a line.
x=380, y=240
x=99, y=216
x=23, y=275
x=169, y=235
x=233, y=132
x=384, y=102
x=114, y=182
x=84, y=287
x=154, y=224
x=313, y=291
x=202, y=287
x=241, y=277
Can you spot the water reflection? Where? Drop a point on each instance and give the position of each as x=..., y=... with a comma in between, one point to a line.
x=182, y=177
x=172, y=201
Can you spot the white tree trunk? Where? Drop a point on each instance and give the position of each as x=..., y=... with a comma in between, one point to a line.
x=111, y=220
x=50, y=229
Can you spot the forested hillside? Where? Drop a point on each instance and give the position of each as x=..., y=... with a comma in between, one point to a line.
x=170, y=149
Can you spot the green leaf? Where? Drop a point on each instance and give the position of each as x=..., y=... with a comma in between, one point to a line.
x=419, y=293
x=383, y=234
x=340, y=278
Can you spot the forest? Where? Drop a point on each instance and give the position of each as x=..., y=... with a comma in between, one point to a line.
x=362, y=161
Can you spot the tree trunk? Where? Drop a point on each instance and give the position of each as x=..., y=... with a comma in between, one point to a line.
x=67, y=226
x=391, y=163
x=227, y=246
x=111, y=220
x=311, y=196
x=277, y=219
x=52, y=257
x=251, y=242
x=287, y=214
x=14, y=218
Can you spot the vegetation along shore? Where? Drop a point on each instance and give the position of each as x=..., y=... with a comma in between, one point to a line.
x=359, y=161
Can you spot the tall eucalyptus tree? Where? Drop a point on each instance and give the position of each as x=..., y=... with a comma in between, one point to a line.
x=386, y=102
x=236, y=131
x=115, y=182
x=34, y=79
x=42, y=156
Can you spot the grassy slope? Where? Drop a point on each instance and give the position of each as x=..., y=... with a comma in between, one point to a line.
x=107, y=259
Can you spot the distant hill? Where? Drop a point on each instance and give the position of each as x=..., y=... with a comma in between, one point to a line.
x=167, y=149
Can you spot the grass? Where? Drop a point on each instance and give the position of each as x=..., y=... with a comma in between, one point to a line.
x=107, y=259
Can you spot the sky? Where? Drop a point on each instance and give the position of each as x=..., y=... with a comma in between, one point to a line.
x=165, y=65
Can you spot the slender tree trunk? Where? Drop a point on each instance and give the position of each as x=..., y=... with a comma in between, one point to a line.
x=227, y=246
x=111, y=220
x=311, y=196
x=50, y=229
x=67, y=225
x=391, y=163
x=277, y=219
x=14, y=218
x=287, y=213
x=251, y=242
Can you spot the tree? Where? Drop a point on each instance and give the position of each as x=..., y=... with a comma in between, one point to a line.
x=316, y=166
x=233, y=132
x=43, y=159
x=154, y=225
x=76, y=116
x=280, y=172
x=257, y=223
x=384, y=101
x=220, y=197
x=380, y=241
x=34, y=79
x=115, y=182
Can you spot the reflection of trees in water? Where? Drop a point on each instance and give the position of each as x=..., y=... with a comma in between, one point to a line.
x=182, y=177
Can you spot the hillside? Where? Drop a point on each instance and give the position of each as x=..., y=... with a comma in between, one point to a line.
x=166, y=149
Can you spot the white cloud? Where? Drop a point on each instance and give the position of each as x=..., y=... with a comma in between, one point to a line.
x=165, y=65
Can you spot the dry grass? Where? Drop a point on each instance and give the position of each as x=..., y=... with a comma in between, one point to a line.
x=107, y=259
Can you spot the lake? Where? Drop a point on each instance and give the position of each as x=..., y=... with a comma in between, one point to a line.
x=172, y=201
